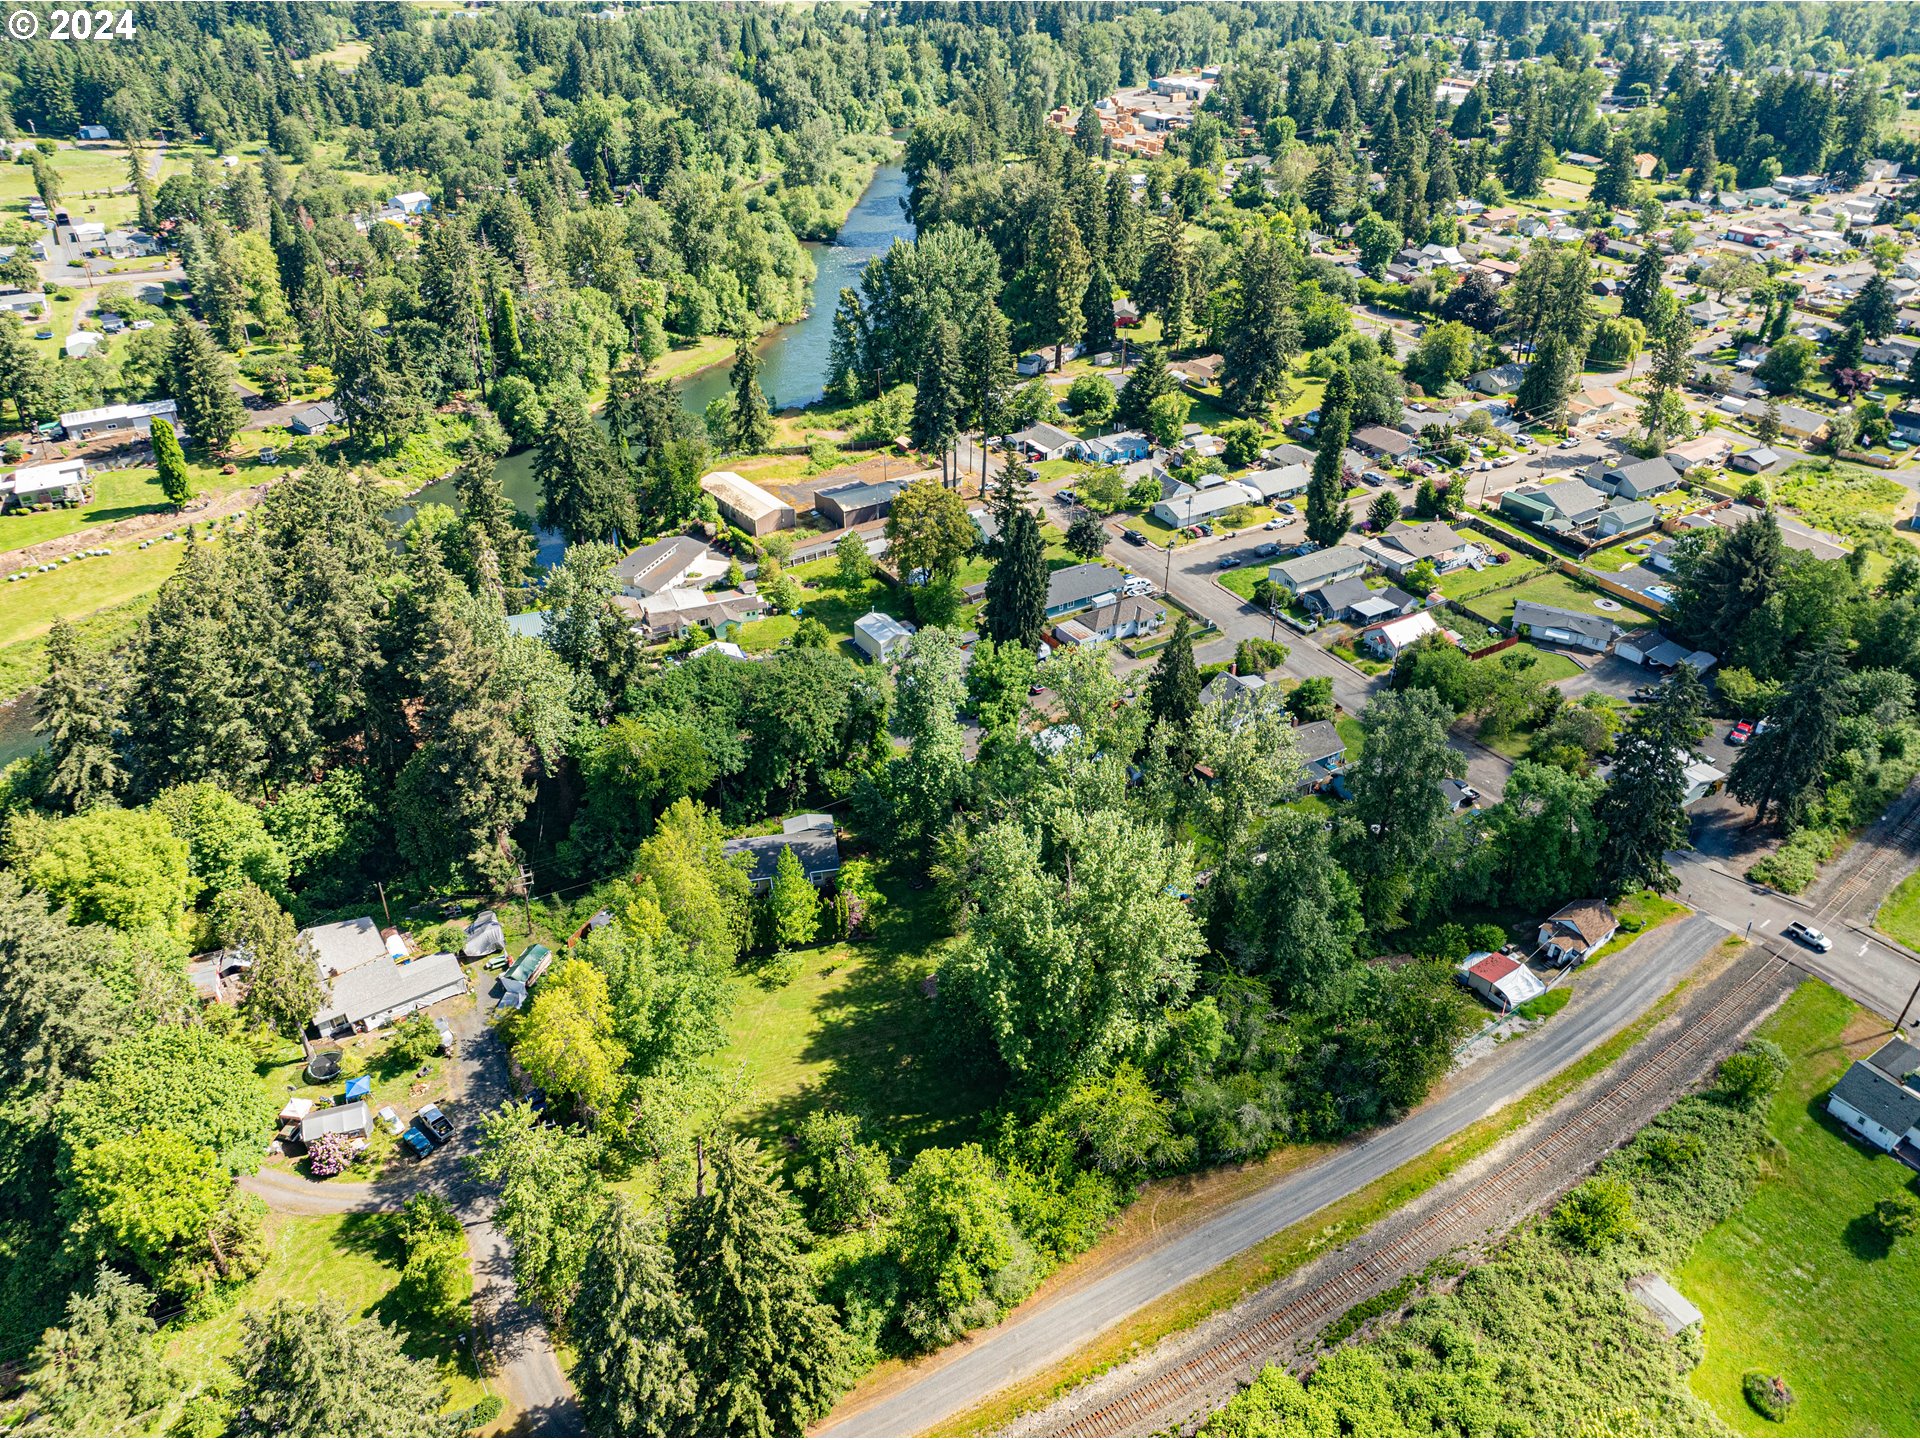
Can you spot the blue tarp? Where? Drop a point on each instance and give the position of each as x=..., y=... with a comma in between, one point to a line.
x=357, y=1088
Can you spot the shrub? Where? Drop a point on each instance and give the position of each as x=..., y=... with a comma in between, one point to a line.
x=413, y=1040
x=1749, y=1075
x=1767, y=1394
x=1792, y=867
x=1595, y=1214
x=1897, y=1216
x=329, y=1155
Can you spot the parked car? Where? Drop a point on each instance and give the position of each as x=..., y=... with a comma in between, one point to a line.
x=1740, y=733
x=1287, y=507
x=1261, y=552
x=436, y=1124
x=1205, y=530
x=446, y=1035
x=1376, y=477
x=1806, y=935
x=390, y=1120
x=1646, y=693
x=414, y=1136
x=1133, y=537
x=1273, y=525
x=1067, y=497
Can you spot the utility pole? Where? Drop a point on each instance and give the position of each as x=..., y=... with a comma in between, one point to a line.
x=1907, y=1009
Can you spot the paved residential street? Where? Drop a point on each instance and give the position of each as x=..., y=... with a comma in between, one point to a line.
x=1611, y=996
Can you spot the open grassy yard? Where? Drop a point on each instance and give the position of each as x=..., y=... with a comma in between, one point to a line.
x=117, y=495
x=1848, y=500
x=857, y=1030
x=1548, y=665
x=1464, y=584
x=1549, y=587
x=348, y=1258
x=1900, y=913
x=1242, y=579
x=1794, y=1283
x=83, y=587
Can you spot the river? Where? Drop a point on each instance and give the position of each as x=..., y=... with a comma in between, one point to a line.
x=794, y=368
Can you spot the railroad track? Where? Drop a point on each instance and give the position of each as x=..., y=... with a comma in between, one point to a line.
x=1148, y=1405
x=1900, y=841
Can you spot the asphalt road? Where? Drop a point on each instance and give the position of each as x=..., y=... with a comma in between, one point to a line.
x=1615, y=993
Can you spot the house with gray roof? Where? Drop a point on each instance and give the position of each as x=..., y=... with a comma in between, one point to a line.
x=1637, y=479
x=1561, y=508
x=380, y=992
x=1625, y=517
x=1076, y=587
x=812, y=840
x=1555, y=626
x=663, y=565
x=1879, y=1100
x=857, y=502
x=1332, y=601
x=1045, y=442
x=1405, y=543
x=1321, y=567
x=1322, y=752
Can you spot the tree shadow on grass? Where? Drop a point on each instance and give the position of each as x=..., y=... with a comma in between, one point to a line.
x=879, y=1036
x=1865, y=1240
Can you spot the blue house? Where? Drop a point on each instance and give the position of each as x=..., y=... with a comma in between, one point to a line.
x=1120, y=449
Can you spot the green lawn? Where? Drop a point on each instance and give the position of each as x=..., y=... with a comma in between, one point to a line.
x=1548, y=665
x=1848, y=500
x=117, y=495
x=1243, y=578
x=1464, y=584
x=83, y=587
x=1900, y=914
x=347, y=1258
x=856, y=1030
x=1356, y=738
x=828, y=602
x=1794, y=1283
x=1549, y=587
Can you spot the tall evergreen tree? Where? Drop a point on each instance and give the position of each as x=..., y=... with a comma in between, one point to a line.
x=1016, y=604
x=488, y=513
x=630, y=1328
x=79, y=709
x=1874, y=309
x=584, y=495
x=1146, y=382
x=750, y=426
x=1641, y=811
x=767, y=1351
x=1721, y=591
x=988, y=364
x=313, y=1369
x=1012, y=492
x=1613, y=185
x=201, y=381
x=1643, y=282
x=1782, y=769
x=939, y=395
x=171, y=462
x=1173, y=690
x=100, y=1371
x=1055, y=281
x=1327, y=515
x=1096, y=311
x=1263, y=333
x=25, y=378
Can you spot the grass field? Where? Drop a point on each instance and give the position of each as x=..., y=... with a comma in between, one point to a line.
x=347, y=1258
x=1848, y=500
x=1549, y=587
x=82, y=588
x=1242, y=579
x=117, y=495
x=1465, y=584
x=1900, y=914
x=1548, y=665
x=855, y=1030
x=1794, y=1283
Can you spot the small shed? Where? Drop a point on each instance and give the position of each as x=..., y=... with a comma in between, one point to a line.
x=355, y=1119
x=1668, y=1306
x=484, y=936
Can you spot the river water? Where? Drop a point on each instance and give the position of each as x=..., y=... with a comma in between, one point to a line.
x=794, y=373
x=794, y=357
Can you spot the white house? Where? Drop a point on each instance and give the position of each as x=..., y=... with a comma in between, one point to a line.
x=880, y=637
x=1879, y=1100
x=1317, y=568
x=1282, y=482
x=64, y=482
x=1191, y=509
x=412, y=202
x=1572, y=628
x=1391, y=637
x=1575, y=931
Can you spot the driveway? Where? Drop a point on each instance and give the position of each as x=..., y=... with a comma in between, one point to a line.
x=526, y=1368
x=1613, y=995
